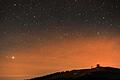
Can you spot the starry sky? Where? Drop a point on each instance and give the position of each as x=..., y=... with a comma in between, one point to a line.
x=43, y=36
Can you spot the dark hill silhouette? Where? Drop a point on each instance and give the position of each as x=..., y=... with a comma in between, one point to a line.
x=98, y=73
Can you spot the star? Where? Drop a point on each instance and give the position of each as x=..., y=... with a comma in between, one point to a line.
x=98, y=33
x=13, y=57
x=15, y=4
x=34, y=16
x=103, y=17
x=76, y=0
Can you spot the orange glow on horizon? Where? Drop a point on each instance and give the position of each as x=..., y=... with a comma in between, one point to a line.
x=63, y=55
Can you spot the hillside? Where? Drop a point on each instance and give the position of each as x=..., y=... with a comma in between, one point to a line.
x=98, y=73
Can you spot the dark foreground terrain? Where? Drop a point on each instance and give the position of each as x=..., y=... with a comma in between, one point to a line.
x=98, y=73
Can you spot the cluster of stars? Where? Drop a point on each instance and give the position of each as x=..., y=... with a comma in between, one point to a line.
x=24, y=22
x=42, y=12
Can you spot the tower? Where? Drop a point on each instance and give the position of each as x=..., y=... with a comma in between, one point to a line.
x=98, y=66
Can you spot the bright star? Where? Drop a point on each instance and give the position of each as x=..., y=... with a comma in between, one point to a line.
x=13, y=57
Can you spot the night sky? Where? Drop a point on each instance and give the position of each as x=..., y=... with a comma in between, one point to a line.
x=43, y=36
